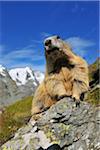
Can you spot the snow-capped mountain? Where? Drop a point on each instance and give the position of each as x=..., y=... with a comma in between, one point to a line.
x=2, y=70
x=18, y=83
x=22, y=75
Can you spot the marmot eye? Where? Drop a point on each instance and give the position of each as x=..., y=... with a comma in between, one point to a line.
x=58, y=37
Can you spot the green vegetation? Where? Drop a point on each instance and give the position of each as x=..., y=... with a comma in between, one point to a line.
x=14, y=117
x=93, y=94
x=93, y=68
x=93, y=97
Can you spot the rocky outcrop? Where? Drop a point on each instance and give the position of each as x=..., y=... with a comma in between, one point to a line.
x=62, y=127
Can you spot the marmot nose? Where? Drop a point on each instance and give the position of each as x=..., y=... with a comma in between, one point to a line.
x=47, y=42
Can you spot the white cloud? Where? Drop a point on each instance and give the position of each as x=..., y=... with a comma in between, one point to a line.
x=37, y=41
x=26, y=56
x=21, y=54
x=80, y=45
x=30, y=56
x=45, y=34
x=1, y=49
x=40, y=67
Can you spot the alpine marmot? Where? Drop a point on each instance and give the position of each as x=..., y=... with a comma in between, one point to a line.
x=66, y=75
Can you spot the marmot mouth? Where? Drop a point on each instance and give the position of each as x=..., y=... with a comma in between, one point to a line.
x=51, y=49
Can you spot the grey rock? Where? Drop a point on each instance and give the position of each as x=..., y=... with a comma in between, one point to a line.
x=64, y=126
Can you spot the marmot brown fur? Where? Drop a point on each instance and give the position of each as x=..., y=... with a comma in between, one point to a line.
x=66, y=75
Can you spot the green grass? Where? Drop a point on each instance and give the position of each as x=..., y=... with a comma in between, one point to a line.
x=14, y=117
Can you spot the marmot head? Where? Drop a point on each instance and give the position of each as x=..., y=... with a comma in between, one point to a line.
x=55, y=49
x=55, y=45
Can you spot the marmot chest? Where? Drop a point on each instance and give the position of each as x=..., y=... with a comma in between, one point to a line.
x=63, y=75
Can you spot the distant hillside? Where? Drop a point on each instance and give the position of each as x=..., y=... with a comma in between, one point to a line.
x=94, y=73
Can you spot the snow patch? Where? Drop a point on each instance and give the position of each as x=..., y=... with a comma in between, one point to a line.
x=2, y=70
x=39, y=76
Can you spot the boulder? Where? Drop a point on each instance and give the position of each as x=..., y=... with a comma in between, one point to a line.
x=62, y=127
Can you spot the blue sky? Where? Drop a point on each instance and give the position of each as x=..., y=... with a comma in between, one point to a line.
x=24, y=26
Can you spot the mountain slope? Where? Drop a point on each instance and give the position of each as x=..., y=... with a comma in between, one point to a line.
x=17, y=83
x=22, y=75
x=94, y=74
x=8, y=87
